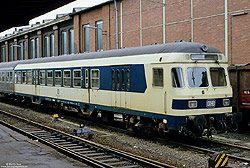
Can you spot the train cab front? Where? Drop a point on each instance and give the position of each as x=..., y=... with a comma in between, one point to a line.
x=205, y=99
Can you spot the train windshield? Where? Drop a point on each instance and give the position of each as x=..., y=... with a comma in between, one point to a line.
x=177, y=79
x=218, y=77
x=197, y=77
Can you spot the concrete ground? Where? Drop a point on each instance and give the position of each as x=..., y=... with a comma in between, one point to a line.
x=18, y=151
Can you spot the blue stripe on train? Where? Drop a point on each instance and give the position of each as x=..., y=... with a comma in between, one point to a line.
x=201, y=103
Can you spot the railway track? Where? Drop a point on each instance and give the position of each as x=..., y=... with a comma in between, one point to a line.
x=88, y=152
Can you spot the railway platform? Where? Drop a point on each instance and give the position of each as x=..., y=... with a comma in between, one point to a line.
x=18, y=151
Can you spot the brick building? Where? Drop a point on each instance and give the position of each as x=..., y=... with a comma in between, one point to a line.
x=222, y=24
x=144, y=22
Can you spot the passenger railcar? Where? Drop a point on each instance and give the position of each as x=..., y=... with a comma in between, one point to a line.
x=180, y=86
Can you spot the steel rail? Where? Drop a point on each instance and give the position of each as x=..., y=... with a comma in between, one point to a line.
x=92, y=162
x=211, y=151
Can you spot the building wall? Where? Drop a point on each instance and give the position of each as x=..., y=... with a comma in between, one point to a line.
x=190, y=20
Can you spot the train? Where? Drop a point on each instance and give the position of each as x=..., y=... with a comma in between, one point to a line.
x=181, y=86
x=239, y=76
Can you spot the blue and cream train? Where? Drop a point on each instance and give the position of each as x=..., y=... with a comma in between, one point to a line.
x=181, y=86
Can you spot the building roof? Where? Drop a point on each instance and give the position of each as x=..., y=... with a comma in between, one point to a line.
x=177, y=47
x=18, y=13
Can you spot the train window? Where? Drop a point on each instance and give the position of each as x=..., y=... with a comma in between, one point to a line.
x=3, y=76
x=58, y=78
x=11, y=77
x=197, y=77
x=157, y=77
x=0, y=76
x=77, y=78
x=218, y=77
x=7, y=76
x=86, y=78
x=118, y=79
x=95, y=78
x=123, y=79
x=67, y=78
x=29, y=77
x=24, y=77
x=42, y=77
x=18, y=77
x=49, y=78
x=35, y=77
x=128, y=79
x=177, y=78
x=113, y=79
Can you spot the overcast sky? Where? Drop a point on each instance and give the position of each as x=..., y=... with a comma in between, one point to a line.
x=65, y=9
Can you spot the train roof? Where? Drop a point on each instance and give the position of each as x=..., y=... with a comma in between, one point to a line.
x=177, y=47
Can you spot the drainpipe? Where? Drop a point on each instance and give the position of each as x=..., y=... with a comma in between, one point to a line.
x=164, y=21
x=116, y=17
x=140, y=24
x=192, y=22
x=226, y=30
x=121, y=22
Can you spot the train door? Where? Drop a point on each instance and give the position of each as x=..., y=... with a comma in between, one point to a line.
x=35, y=82
x=86, y=84
x=121, y=87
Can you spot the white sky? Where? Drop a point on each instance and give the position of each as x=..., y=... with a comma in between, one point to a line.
x=64, y=9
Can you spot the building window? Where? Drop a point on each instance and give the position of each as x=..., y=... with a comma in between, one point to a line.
x=64, y=42
x=52, y=45
x=32, y=48
x=3, y=54
x=20, y=51
x=24, y=50
x=157, y=77
x=66, y=78
x=50, y=78
x=58, y=78
x=99, y=36
x=46, y=46
x=77, y=78
x=29, y=77
x=71, y=41
x=42, y=77
x=95, y=78
x=11, y=53
x=86, y=38
x=37, y=47
x=24, y=77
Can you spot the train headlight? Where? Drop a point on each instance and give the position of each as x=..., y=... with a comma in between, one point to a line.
x=165, y=121
x=192, y=104
x=226, y=102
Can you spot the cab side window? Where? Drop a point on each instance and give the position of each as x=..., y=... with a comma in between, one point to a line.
x=157, y=77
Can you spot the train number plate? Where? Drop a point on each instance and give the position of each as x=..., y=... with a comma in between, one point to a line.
x=211, y=103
